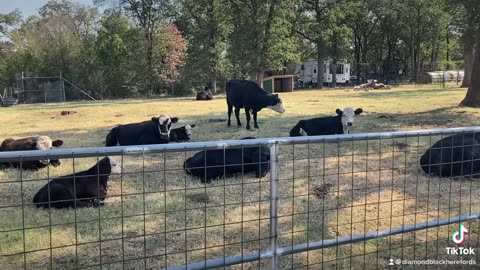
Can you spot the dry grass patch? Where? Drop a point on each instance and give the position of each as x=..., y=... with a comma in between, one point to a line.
x=158, y=216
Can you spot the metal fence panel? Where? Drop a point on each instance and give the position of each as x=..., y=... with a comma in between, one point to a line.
x=353, y=201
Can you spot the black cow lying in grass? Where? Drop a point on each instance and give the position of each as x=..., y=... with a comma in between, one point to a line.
x=27, y=144
x=220, y=163
x=454, y=156
x=155, y=131
x=341, y=123
x=181, y=134
x=205, y=95
x=249, y=95
x=89, y=189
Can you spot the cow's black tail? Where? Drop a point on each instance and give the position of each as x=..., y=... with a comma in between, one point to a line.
x=111, y=139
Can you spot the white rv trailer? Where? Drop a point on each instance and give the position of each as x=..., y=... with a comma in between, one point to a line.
x=307, y=72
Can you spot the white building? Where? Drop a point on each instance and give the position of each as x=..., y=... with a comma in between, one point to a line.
x=307, y=72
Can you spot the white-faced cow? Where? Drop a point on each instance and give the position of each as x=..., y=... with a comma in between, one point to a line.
x=181, y=134
x=155, y=131
x=83, y=189
x=342, y=123
x=454, y=156
x=249, y=95
x=27, y=144
x=212, y=164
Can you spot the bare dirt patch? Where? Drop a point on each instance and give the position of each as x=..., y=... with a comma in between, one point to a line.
x=321, y=191
x=67, y=112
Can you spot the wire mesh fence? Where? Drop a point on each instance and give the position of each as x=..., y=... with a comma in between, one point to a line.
x=358, y=201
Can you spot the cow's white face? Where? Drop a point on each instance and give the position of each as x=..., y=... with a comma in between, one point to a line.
x=277, y=104
x=347, y=118
x=165, y=125
x=114, y=167
x=188, y=129
x=278, y=108
x=44, y=143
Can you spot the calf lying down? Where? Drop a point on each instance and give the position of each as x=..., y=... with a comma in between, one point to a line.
x=453, y=156
x=28, y=144
x=181, y=134
x=212, y=164
x=155, y=131
x=342, y=123
x=82, y=189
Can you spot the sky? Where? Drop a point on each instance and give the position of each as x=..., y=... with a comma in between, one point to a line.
x=30, y=7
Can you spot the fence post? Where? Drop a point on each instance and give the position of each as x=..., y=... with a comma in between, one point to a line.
x=443, y=81
x=44, y=92
x=62, y=86
x=273, y=205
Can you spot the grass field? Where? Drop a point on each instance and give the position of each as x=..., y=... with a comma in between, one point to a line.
x=155, y=211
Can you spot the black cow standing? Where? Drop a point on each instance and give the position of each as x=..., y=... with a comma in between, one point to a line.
x=249, y=95
x=342, y=123
x=156, y=131
x=82, y=189
x=27, y=144
x=454, y=156
x=220, y=163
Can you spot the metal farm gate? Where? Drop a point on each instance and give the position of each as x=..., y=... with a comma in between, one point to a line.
x=357, y=201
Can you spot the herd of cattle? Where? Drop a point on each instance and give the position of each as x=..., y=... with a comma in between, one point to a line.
x=454, y=156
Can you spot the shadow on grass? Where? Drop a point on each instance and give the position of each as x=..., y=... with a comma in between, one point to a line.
x=420, y=93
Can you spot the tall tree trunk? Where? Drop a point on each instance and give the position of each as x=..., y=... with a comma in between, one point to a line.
x=266, y=42
x=365, y=49
x=448, y=47
x=412, y=55
x=472, y=99
x=334, y=73
x=320, y=60
x=468, y=56
x=149, y=62
x=213, y=83
x=253, y=75
x=334, y=59
x=260, y=75
x=357, y=55
x=212, y=41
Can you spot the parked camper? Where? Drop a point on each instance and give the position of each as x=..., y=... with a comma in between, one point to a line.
x=307, y=72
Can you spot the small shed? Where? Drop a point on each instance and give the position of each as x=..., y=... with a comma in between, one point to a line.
x=279, y=83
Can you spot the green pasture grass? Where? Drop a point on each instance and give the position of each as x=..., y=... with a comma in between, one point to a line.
x=156, y=211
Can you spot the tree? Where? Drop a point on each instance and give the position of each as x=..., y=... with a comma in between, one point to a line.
x=312, y=22
x=206, y=26
x=174, y=56
x=472, y=7
x=261, y=36
x=7, y=48
x=149, y=15
x=468, y=40
x=112, y=55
